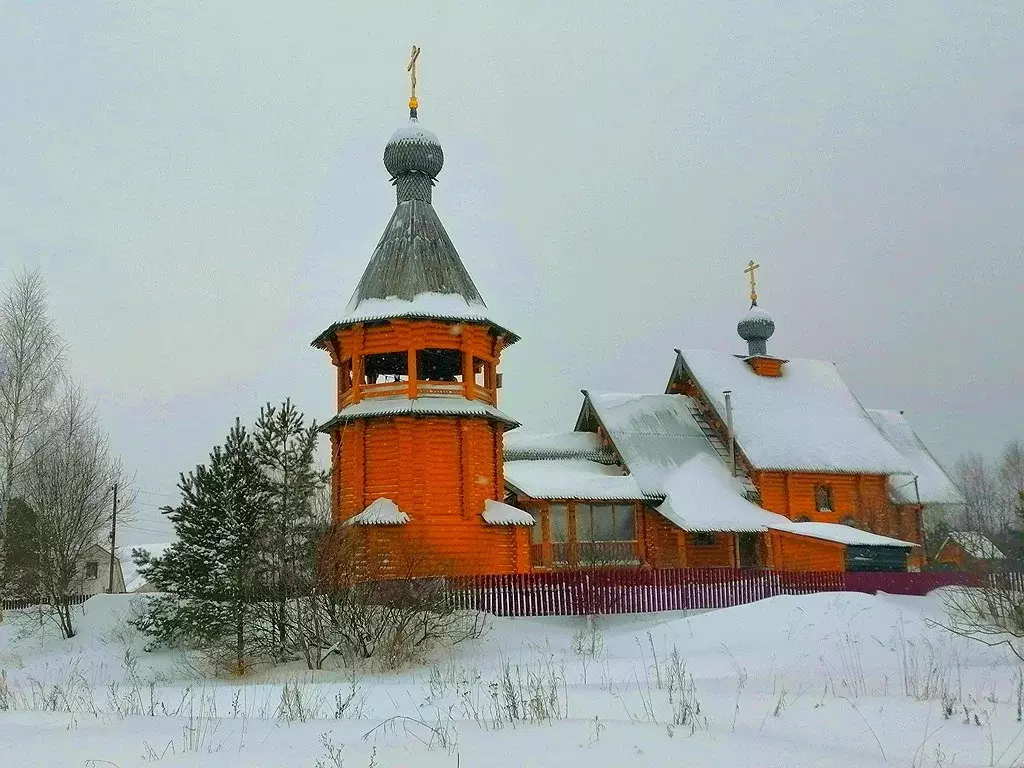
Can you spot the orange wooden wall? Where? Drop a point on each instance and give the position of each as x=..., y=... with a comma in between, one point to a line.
x=721, y=554
x=438, y=469
x=800, y=553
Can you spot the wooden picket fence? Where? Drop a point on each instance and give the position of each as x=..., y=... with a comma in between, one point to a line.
x=20, y=603
x=627, y=590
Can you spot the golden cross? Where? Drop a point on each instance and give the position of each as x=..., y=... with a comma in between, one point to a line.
x=751, y=267
x=411, y=69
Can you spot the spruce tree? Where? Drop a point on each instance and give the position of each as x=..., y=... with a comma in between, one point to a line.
x=210, y=575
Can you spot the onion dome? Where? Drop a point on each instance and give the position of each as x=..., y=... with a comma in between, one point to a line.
x=413, y=149
x=755, y=328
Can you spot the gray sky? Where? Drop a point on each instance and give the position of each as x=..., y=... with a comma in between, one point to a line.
x=202, y=186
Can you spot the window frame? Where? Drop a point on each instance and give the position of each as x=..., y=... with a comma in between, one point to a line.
x=92, y=569
x=824, y=499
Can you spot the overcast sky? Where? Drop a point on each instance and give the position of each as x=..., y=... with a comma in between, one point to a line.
x=202, y=186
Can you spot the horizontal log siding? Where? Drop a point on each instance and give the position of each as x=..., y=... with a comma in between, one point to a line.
x=800, y=553
x=862, y=497
x=717, y=555
x=439, y=470
x=662, y=542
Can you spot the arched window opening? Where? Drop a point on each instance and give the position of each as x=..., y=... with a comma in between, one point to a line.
x=823, y=498
x=385, y=367
x=483, y=373
x=345, y=375
x=439, y=365
x=850, y=521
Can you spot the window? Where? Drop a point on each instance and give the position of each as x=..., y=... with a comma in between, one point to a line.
x=802, y=519
x=558, y=523
x=850, y=521
x=703, y=539
x=483, y=373
x=92, y=570
x=439, y=365
x=386, y=367
x=605, y=522
x=345, y=375
x=823, y=498
x=537, y=529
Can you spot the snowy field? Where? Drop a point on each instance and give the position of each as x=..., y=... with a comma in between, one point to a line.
x=822, y=680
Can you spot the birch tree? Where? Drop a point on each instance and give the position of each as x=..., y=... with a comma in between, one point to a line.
x=31, y=365
x=68, y=482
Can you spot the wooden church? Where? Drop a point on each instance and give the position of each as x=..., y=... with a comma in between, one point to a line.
x=745, y=460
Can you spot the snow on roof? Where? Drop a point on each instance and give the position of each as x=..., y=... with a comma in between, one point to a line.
x=382, y=511
x=500, y=513
x=841, y=534
x=412, y=130
x=977, y=545
x=418, y=406
x=133, y=580
x=805, y=419
x=654, y=434
x=571, y=479
x=442, y=306
x=933, y=484
x=554, y=445
x=703, y=496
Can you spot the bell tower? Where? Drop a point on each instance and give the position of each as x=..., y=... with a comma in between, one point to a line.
x=416, y=443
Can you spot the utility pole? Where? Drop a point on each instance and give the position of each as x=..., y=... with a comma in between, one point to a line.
x=113, y=544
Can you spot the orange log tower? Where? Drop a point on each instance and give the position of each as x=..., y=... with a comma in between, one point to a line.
x=416, y=444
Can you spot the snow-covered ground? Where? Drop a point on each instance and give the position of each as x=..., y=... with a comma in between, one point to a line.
x=821, y=680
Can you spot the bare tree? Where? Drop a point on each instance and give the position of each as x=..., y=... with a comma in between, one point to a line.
x=984, y=507
x=68, y=482
x=31, y=364
x=1011, y=478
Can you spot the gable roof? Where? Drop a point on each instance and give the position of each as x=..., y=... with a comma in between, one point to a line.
x=701, y=495
x=933, y=484
x=975, y=544
x=807, y=419
x=653, y=434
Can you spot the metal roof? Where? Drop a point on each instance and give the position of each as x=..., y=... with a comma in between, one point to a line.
x=383, y=407
x=653, y=434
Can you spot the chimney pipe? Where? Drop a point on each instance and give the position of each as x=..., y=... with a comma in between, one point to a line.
x=728, y=425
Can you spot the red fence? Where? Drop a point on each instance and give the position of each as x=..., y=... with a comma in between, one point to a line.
x=623, y=590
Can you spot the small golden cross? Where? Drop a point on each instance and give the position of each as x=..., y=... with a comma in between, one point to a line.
x=411, y=69
x=751, y=267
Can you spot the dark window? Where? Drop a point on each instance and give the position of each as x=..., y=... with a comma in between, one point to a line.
x=703, y=538
x=823, y=498
x=439, y=365
x=850, y=521
x=802, y=519
x=386, y=367
x=92, y=569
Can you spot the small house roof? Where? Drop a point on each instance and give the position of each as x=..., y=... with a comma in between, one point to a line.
x=555, y=445
x=841, y=534
x=701, y=495
x=380, y=407
x=806, y=419
x=977, y=545
x=570, y=479
x=933, y=484
x=133, y=580
x=653, y=434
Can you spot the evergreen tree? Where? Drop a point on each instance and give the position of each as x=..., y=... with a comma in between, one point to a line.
x=22, y=554
x=286, y=451
x=210, y=574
